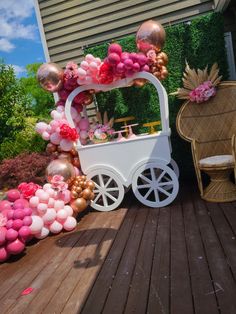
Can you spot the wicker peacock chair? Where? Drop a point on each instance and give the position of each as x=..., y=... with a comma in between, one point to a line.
x=211, y=129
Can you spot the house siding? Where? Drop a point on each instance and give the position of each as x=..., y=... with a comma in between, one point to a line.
x=71, y=25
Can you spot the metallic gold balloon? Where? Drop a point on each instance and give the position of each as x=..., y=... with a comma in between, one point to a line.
x=150, y=35
x=51, y=148
x=86, y=193
x=90, y=184
x=65, y=156
x=50, y=77
x=139, y=82
x=76, y=162
x=78, y=205
x=60, y=167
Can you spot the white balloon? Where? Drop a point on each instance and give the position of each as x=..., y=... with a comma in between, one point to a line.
x=70, y=223
x=37, y=224
x=43, y=234
x=55, y=227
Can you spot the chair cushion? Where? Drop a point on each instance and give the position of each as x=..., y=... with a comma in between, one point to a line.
x=217, y=161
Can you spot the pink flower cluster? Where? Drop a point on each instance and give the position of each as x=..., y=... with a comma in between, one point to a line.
x=203, y=92
x=100, y=132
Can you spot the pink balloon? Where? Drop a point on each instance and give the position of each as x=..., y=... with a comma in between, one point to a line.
x=21, y=203
x=13, y=195
x=3, y=232
x=17, y=224
x=128, y=63
x=70, y=223
x=24, y=232
x=46, y=136
x=47, y=186
x=113, y=58
x=66, y=145
x=55, y=138
x=62, y=215
x=34, y=201
x=27, y=221
x=43, y=197
x=3, y=254
x=10, y=213
x=65, y=196
x=11, y=234
x=5, y=205
x=18, y=214
x=54, y=124
x=84, y=124
x=69, y=210
x=136, y=67
x=56, y=227
x=27, y=211
x=145, y=68
x=15, y=247
x=43, y=234
x=93, y=66
x=116, y=48
x=83, y=134
x=49, y=216
x=37, y=224
x=59, y=204
x=41, y=127
x=84, y=65
x=51, y=202
x=89, y=58
x=42, y=208
x=9, y=224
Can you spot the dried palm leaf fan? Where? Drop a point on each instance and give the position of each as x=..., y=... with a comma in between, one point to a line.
x=193, y=78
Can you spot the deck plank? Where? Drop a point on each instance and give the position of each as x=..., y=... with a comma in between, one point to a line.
x=201, y=281
x=158, y=301
x=224, y=285
x=97, y=297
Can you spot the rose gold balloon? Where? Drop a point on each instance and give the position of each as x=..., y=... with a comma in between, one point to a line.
x=74, y=194
x=79, y=204
x=139, y=82
x=50, y=77
x=90, y=185
x=78, y=189
x=150, y=35
x=162, y=55
x=65, y=156
x=60, y=167
x=92, y=195
x=86, y=194
x=51, y=148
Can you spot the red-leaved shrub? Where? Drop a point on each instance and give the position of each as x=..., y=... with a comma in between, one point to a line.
x=24, y=168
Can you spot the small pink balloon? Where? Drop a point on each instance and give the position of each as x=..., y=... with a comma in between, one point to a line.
x=66, y=145
x=20, y=203
x=46, y=136
x=113, y=58
x=4, y=255
x=81, y=73
x=84, y=65
x=34, y=201
x=84, y=124
x=10, y=214
x=55, y=138
x=56, y=227
x=18, y=214
x=37, y=224
x=9, y=223
x=27, y=221
x=51, y=202
x=83, y=134
x=44, y=197
x=43, y=234
x=70, y=223
x=24, y=232
x=128, y=63
x=62, y=215
x=11, y=234
x=120, y=68
x=93, y=66
x=13, y=195
x=3, y=232
x=17, y=224
x=59, y=204
x=5, y=205
x=42, y=208
x=15, y=247
x=27, y=211
x=49, y=216
x=89, y=58
x=41, y=127
x=136, y=67
x=77, y=172
x=145, y=68
x=65, y=196
x=116, y=48
x=69, y=210
x=54, y=124
x=47, y=186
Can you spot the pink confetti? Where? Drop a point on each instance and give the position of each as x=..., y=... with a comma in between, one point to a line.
x=27, y=291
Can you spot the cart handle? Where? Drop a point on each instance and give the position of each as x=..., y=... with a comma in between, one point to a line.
x=163, y=98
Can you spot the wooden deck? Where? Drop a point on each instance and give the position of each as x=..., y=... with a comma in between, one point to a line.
x=178, y=259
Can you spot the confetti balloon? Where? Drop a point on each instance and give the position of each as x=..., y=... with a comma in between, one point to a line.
x=150, y=35
x=50, y=77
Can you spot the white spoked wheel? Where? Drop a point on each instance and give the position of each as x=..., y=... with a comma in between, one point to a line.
x=173, y=165
x=109, y=190
x=155, y=185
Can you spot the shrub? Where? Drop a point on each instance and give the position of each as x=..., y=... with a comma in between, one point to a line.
x=24, y=168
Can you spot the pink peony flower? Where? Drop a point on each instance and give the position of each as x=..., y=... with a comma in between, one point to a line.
x=203, y=92
x=28, y=189
x=58, y=183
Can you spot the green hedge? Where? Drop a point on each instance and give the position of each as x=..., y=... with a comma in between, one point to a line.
x=201, y=43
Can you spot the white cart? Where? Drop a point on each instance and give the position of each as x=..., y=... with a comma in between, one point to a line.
x=143, y=163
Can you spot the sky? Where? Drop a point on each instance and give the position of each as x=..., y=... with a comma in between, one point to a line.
x=20, y=42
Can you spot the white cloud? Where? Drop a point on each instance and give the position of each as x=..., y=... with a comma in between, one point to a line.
x=6, y=45
x=12, y=16
x=18, y=69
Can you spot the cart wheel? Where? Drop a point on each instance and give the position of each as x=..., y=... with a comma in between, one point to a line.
x=173, y=165
x=155, y=185
x=109, y=191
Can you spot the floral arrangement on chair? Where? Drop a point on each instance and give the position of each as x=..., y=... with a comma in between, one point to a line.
x=101, y=130
x=199, y=86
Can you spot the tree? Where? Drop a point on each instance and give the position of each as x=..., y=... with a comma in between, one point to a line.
x=42, y=102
